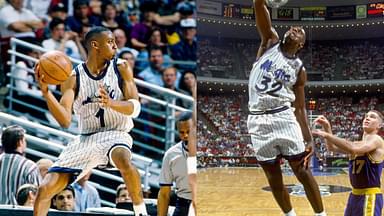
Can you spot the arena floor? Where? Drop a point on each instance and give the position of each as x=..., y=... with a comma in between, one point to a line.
x=238, y=192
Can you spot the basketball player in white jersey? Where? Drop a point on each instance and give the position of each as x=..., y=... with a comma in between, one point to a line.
x=103, y=94
x=278, y=130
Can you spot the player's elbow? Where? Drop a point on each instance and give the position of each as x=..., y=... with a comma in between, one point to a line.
x=65, y=124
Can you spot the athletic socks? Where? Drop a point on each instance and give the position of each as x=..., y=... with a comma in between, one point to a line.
x=140, y=209
x=321, y=214
x=290, y=213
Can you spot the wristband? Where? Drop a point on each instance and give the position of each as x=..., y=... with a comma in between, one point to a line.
x=192, y=165
x=136, y=108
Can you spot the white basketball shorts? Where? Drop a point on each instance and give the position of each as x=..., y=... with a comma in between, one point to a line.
x=274, y=135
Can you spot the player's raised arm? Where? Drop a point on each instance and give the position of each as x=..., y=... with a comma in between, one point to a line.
x=61, y=111
x=267, y=33
x=129, y=106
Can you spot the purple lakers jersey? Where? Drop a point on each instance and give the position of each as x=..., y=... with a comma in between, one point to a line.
x=364, y=172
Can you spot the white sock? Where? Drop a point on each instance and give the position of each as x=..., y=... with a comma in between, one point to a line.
x=191, y=211
x=140, y=209
x=291, y=213
x=321, y=214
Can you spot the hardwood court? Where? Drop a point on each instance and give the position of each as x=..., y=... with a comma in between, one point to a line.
x=238, y=192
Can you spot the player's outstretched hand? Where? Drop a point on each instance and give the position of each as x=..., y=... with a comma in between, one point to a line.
x=321, y=120
x=308, y=154
x=39, y=76
x=320, y=133
x=104, y=100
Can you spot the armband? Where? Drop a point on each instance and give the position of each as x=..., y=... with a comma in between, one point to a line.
x=192, y=165
x=136, y=108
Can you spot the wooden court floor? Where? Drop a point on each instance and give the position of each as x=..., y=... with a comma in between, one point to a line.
x=238, y=192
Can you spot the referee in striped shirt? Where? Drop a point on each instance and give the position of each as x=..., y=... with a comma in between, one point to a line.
x=15, y=169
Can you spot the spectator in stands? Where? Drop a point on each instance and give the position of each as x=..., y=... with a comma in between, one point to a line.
x=153, y=73
x=188, y=82
x=38, y=7
x=66, y=41
x=86, y=194
x=44, y=164
x=133, y=17
x=171, y=77
x=174, y=169
x=15, y=169
x=17, y=21
x=121, y=39
x=26, y=195
x=58, y=11
x=184, y=10
x=81, y=17
x=186, y=48
x=141, y=31
x=124, y=201
x=130, y=55
x=111, y=18
x=156, y=38
x=122, y=194
x=65, y=200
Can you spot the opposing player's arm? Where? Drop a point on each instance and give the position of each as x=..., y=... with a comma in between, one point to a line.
x=163, y=199
x=130, y=105
x=61, y=111
x=264, y=26
x=363, y=147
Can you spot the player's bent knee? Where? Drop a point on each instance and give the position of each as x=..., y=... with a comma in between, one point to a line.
x=121, y=157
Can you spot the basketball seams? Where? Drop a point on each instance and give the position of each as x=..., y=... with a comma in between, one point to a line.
x=47, y=74
x=47, y=59
x=59, y=66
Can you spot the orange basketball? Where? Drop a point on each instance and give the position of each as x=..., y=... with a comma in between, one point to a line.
x=55, y=66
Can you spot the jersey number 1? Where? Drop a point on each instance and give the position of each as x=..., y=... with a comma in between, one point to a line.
x=100, y=115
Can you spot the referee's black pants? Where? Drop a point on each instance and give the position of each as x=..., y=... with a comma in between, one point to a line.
x=182, y=207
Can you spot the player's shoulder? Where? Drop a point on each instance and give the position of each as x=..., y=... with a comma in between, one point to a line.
x=174, y=150
x=376, y=138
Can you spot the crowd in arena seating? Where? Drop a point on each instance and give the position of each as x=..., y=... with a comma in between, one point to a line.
x=215, y=60
x=324, y=60
x=224, y=133
x=226, y=116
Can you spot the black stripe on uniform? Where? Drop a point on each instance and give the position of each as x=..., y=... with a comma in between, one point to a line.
x=77, y=82
x=118, y=74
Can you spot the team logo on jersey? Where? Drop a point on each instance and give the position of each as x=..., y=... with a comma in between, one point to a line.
x=279, y=74
x=95, y=98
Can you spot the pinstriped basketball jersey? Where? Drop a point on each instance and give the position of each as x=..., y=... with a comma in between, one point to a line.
x=271, y=80
x=92, y=117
